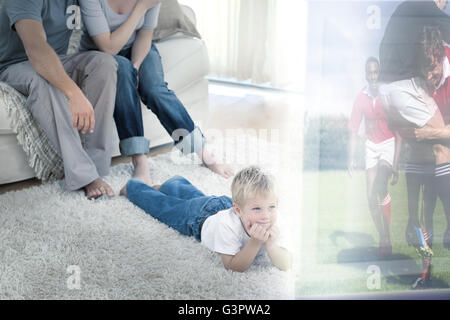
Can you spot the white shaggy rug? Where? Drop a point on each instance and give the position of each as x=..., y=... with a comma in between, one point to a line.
x=56, y=244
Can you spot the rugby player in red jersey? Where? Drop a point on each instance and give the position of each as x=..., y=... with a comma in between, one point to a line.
x=381, y=156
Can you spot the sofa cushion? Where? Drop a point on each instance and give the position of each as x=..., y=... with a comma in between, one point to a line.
x=172, y=20
x=184, y=60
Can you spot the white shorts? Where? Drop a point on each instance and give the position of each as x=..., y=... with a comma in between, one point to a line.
x=379, y=151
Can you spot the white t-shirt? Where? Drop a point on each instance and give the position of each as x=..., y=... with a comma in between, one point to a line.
x=407, y=100
x=225, y=234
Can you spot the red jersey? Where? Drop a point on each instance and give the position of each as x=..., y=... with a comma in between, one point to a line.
x=442, y=94
x=375, y=120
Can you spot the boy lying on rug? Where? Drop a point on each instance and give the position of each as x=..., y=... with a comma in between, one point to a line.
x=239, y=229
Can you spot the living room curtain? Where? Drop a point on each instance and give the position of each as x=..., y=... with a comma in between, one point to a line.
x=260, y=41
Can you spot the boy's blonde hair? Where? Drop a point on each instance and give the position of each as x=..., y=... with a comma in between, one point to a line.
x=249, y=182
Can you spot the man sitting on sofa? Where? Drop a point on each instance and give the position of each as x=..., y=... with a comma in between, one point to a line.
x=71, y=97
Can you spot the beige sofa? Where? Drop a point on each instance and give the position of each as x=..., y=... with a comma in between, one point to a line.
x=185, y=63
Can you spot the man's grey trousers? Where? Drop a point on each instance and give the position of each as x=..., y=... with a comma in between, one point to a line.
x=87, y=156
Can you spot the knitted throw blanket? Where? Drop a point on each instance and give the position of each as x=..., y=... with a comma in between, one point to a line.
x=42, y=157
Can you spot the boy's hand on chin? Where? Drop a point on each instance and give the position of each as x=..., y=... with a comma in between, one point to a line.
x=274, y=233
x=258, y=232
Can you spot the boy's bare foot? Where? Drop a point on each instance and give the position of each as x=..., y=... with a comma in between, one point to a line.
x=210, y=161
x=123, y=191
x=98, y=188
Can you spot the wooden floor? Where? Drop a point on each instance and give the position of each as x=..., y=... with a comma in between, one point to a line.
x=231, y=107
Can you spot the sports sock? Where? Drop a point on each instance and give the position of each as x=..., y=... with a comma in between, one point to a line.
x=386, y=209
x=428, y=206
x=426, y=268
x=413, y=184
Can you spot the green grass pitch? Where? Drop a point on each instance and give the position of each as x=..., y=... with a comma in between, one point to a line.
x=339, y=240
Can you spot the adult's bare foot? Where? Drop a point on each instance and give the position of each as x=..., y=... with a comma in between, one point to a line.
x=211, y=162
x=221, y=169
x=98, y=188
x=141, y=168
x=123, y=191
x=141, y=171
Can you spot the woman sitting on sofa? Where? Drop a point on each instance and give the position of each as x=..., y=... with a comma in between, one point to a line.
x=124, y=28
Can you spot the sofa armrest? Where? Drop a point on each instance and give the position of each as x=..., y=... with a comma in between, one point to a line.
x=189, y=13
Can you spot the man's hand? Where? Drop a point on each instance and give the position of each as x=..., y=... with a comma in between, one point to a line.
x=423, y=133
x=48, y=65
x=83, y=118
x=394, y=176
x=259, y=233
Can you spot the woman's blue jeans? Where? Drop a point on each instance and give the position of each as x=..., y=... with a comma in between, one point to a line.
x=154, y=93
x=178, y=204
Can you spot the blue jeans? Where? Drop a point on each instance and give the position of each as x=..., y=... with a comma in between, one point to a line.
x=154, y=93
x=178, y=204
